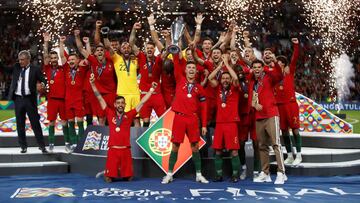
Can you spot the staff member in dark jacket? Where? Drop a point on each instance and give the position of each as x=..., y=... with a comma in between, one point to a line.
x=23, y=92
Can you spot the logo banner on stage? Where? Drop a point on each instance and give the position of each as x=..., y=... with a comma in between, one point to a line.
x=156, y=142
x=94, y=142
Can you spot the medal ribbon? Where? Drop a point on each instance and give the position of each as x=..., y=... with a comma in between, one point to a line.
x=101, y=69
x=127, y=66
x=258, y=83
x=224, y=94
x=244, y=87
x=150, y=65
x=190, y=86
x=53, y=73
x=119, y=120
x=73, y=74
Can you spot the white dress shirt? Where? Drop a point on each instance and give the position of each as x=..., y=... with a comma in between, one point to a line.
x=27, y=90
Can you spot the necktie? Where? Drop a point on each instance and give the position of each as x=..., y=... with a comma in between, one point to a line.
x=23, y=82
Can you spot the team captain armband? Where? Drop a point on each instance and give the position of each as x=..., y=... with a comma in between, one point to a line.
x=202, y=99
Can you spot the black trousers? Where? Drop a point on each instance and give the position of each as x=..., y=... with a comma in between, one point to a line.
x=27, y=105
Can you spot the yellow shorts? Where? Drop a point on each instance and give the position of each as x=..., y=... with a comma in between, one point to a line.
x=131, y=100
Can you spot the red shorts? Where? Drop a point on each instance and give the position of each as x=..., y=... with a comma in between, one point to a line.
x=188, y=124
x=156, y=102
x=289, y=115
x=246, y=126
x=211, y=109
x=119, y=160
x=55, y=107
x=226, y=136
x=109, y=99
x=74, y=110
x=168, y=98
x=88, y=103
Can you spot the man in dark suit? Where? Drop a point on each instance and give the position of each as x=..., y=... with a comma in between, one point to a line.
x=24, y=93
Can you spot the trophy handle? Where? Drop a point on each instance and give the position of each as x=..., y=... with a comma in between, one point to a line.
x=173, y=49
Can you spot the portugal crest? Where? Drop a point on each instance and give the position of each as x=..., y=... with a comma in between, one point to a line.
x=160, y=142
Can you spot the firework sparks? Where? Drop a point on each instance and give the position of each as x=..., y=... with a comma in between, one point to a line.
x=334, y=23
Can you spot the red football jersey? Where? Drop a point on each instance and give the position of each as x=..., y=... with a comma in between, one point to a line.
x=264, y=86
x=227, y=104
x=104, y=74
x=121, y=138
x=168, y=83
x=189, y=98
x=74, y=83
x=285, y=90
x=150, y=72
x=56, y=81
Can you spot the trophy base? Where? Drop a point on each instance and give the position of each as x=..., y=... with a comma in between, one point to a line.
x=173, y=49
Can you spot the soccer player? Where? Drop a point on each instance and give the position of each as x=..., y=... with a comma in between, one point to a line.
x=103, y=70
x=56, y=96
x=119, y=153
x=288, y=107
x=189, y=99
x=227, y=118
x=126, y=68
x=75, y=71
x=262, y=98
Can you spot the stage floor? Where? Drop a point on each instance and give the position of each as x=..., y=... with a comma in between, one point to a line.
x=80, y=188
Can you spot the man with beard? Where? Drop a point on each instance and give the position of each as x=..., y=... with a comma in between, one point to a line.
x=227, y=118
x=262, y=83
x=119, y=153
x=56, y=95
x=150, y=71
x=74, y=83
x=126, y=67
x=103, y=70
x=288, y=107
x=189, y=99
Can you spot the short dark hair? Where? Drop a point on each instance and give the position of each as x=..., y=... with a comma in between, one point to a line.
x=150, y=43
x=226, y=72
x=74, y=54
x=209, y=39
x=53, y=52
x=283, y=59
x=190, y=62
x=268, y=49
x=257, y=61
x=119, y=97
x=99, y=45
x=216, y=48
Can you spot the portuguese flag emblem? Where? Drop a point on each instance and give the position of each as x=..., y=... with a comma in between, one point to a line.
x=156, y=142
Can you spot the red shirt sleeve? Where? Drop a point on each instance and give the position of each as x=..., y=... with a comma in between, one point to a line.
x=92, y=59
x=275, y=74
x=208, y=65
x=179, y=67
x=131, y=114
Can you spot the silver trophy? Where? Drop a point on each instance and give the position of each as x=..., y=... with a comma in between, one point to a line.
x=177, y=30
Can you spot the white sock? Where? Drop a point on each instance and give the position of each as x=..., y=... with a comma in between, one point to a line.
x=198, y=174
x=243, y=167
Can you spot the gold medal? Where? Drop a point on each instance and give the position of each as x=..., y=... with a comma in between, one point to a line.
x=117, y=129
x=51, y=81
x=189, y=95
x=281, y=87
x=246, y=95
x=73, y=82
x=223, y=105
x=92, y=75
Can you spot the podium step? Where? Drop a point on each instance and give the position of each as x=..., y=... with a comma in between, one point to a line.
x=47, y=167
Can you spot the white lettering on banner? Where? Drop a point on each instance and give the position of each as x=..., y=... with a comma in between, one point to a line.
x=341, y=192
x=312, y=191
x=104, y=143
x=234, y=191
x=344, y=106
x=198, y=192
x=280, y=191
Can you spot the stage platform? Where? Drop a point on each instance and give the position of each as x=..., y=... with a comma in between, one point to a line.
x=329, y=158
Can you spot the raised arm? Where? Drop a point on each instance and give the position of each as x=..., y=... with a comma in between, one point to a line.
x=235, y=79
x=146, y=97
x=295, y=55
x=97, y=93
x=233, y=38
x=62, y=49
x=132, y=39
x=86, y=40
x=166, y=34
x=46, y=37
x=79, y=45
x=246, y=36
x=198, y=20
x=154, y=34
x=104, y=32
x=212, y=77
x=194, y=53
x=97, y=37
x=220, y=41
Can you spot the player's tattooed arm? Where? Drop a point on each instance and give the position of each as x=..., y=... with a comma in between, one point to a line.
x=97, y=93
